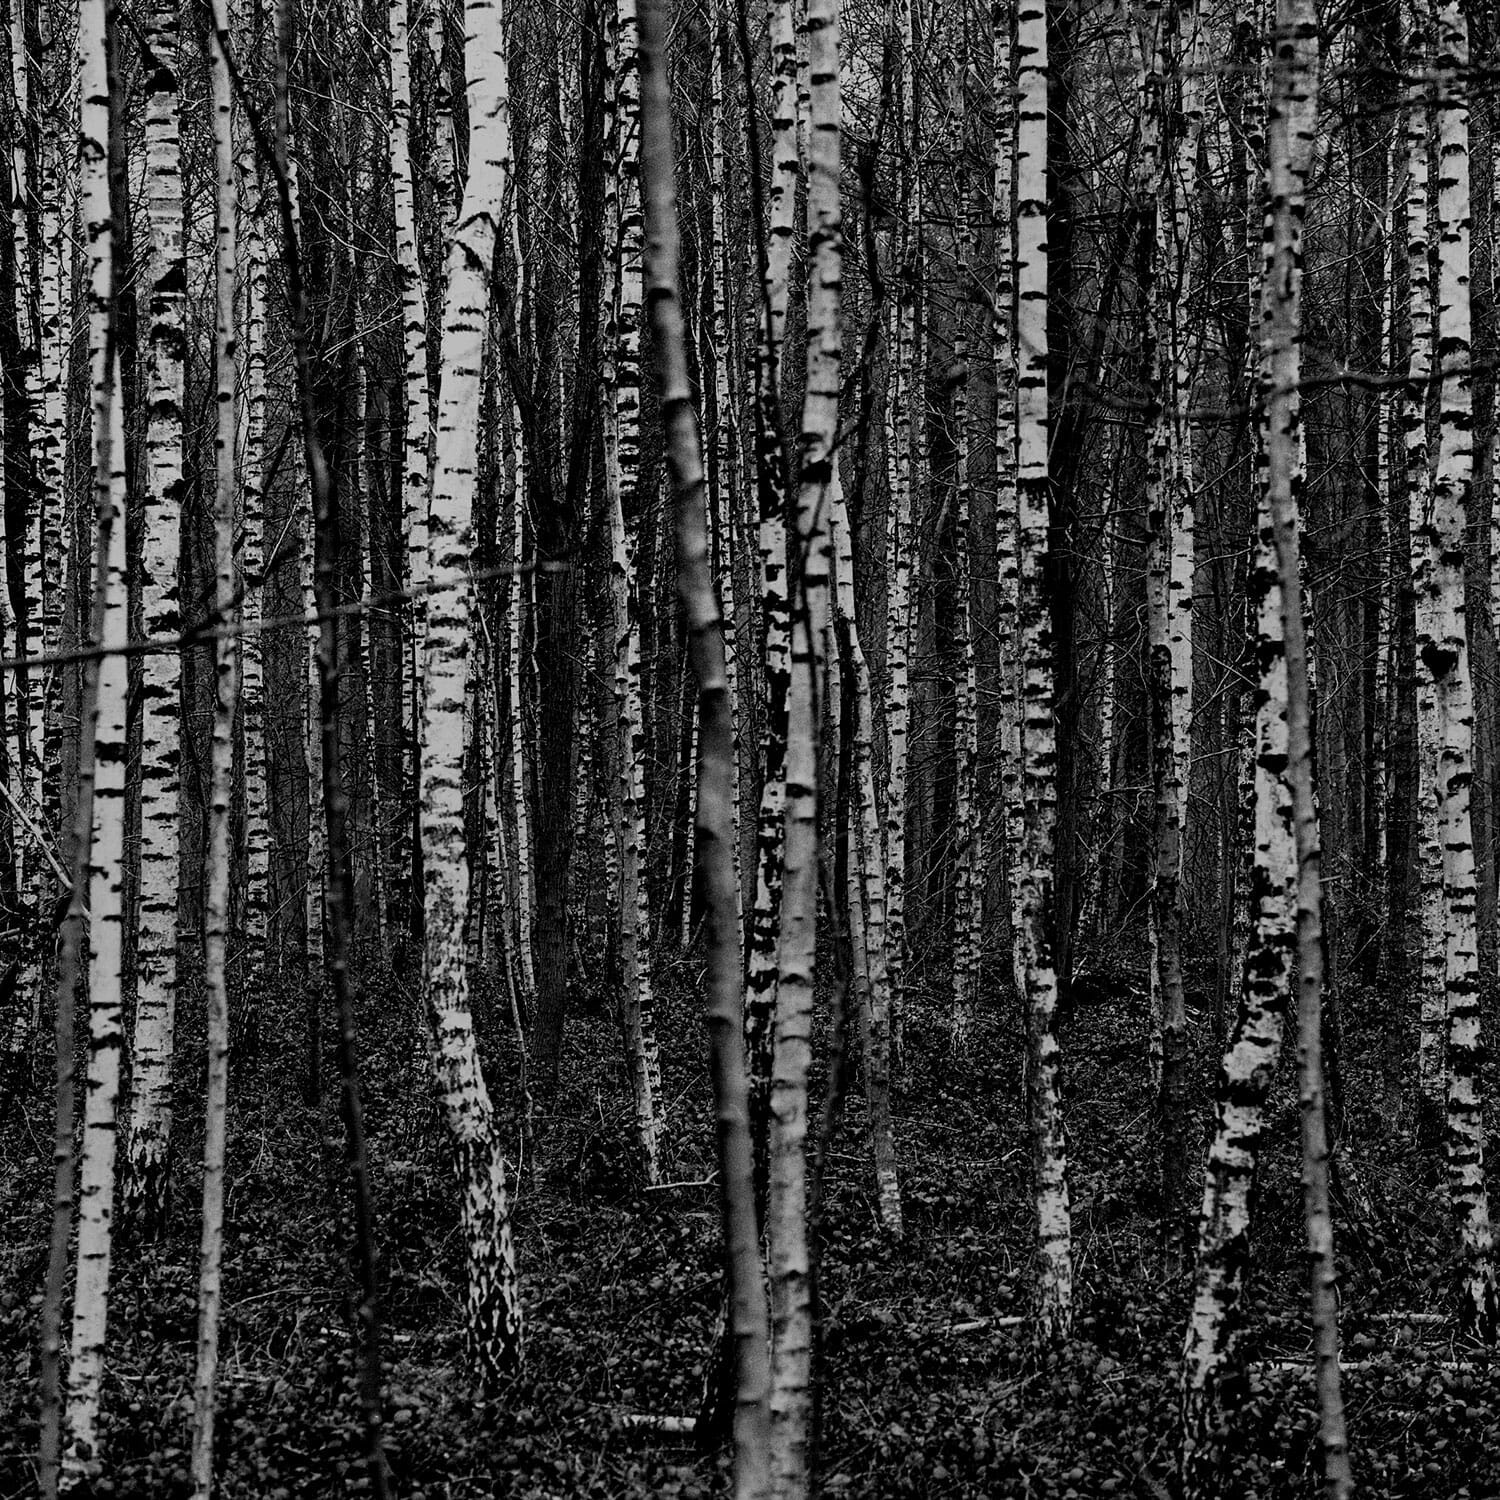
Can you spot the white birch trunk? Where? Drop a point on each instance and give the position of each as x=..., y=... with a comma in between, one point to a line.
x=1007, y=535
x=250, y=550
x=867, y=880
x=156, y=951
x=1035, y=875
x=1291, y=129
x=493, y=1309
x=786, y=1223
x=1443, y=651
x=82, y=1460
x=761, y=961
x=1419, y=490
x=217, y=868
x=622, y=485
x=416, y=450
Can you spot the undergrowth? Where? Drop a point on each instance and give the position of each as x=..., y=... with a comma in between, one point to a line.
x=924, y=1390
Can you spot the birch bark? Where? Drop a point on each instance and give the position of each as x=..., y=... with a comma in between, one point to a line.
x=786, y=1218
x=1036, y=864
x=81, y=1457
x=493, y=1308
x=156, y=950
x=216, y=873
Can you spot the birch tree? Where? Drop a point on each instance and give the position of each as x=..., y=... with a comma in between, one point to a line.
x=786, y=1222
x=493, y=1308
x=1035, y=874
x=221, y=772
x=1007, y=536
x=156, y=950
x=906, y=411
x=867, y=919
x=1291, y=126
x=1443, y=650
x=416, y=450
x=1168, y=35
x=106, y=873
x=622, y=470
x=250, y=546
x=761, y=958
x=1428, y=942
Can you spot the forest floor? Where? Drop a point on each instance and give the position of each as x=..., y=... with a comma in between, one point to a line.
x=621, y=1286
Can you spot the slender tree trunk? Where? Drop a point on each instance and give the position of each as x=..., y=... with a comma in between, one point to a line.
x=968, y=889
x=715, y=839
x=217, y=869
x=1036, y=872
x=867, y=918
x=251, y=547
x=1291, y=126
x=1427, y=938
x=51, y=546
x=775, y=580
x=1168, y=58
x=82, y=1459
x=43, y=551
x=493, y=1311
x=907, y=414
x=786, y=1218
x=328, y=543
x=723, y=477
x=416, y=452
x=1007, y=534
x=622, y=464
x=1443, y=650
x=156, y=952
x=520, y=808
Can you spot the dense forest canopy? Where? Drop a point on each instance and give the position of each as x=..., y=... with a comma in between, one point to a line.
x=705, y=697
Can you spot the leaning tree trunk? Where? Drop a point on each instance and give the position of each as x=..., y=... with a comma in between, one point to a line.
x=493, y=1311
x=714, y=845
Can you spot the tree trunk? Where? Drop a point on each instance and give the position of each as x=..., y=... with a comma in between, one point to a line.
x=786, y=1216
x=146, y=1183
x=81, y=1457
x=1036, y=870
x=1443, y=650
x=217, y=868
x=493, y=1309
x=622, y=467
x=1291, y=126
x=715, y=838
